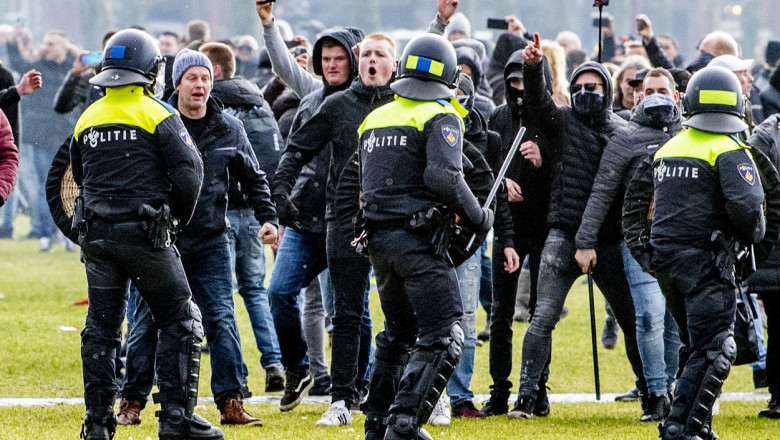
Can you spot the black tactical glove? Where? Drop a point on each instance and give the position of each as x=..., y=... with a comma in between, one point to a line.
x=159, y=226
x=286, y=211
x=488, y=217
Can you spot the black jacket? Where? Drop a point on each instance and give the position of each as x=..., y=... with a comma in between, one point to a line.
x=243, y=100
x=335, y=123
x=9, y=101
x=624, y=152
x=226, y=152
x=76, y=92
x=579, y=142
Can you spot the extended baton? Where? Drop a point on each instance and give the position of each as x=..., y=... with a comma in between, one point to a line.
x=500, y=176
x=593, y=333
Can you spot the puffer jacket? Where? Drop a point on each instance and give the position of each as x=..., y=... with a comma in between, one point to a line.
x=579, y=141
x=623, y=154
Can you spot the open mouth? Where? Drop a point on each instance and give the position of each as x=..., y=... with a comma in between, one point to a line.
x=372, y=71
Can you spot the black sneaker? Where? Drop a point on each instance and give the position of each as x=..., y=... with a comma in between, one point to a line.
x=772, y=411
x=274, y=379
x=298, y=383
x=542, y=404
x=631, y=396
x=523, y=409
x=657, y=408
x=496, y=405
x=321, y=387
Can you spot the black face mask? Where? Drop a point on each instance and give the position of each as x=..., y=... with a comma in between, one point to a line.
x=516, y=96
x=587, y=103
x=659, y=109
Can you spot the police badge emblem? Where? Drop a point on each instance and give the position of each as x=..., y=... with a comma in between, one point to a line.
x=450, y=134
x=747, y=172
x=185, y=136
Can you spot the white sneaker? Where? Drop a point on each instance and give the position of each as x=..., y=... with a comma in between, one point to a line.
x=441, y=413
x=338, y=414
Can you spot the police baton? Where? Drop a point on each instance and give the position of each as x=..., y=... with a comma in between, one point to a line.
x=593, y=333
x=500, y=176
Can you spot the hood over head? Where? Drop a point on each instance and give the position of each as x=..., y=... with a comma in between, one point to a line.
x=346, y=37
x=600, y=70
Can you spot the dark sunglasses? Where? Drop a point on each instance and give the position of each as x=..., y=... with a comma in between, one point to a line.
x=588, y=86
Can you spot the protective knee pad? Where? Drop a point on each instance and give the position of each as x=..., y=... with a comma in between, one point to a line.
x=720, y=358
x=178, y=360
x=672, y=431
x=438, y=367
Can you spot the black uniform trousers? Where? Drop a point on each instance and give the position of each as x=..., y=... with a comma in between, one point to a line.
x=113, y=254
x=419, y=296
x=704, y=305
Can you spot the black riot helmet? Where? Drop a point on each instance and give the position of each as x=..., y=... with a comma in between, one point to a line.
x=713, y=101
x=428, y=70
x=131, y=56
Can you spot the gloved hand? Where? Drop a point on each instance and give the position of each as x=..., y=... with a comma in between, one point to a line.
x=158, y=225
x=488, y=217
x=286, y=212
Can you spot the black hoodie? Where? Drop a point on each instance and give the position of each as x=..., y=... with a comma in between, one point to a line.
x=334, y=125
x=527, y=220
x=308, y=192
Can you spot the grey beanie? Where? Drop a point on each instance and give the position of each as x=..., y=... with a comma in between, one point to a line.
x=458, y=23
x=189, y=58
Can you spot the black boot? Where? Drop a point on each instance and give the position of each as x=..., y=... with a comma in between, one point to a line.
x=672, y=431
x=497, y=404
x=542, y=403
x=657, y=408
x=404, y=427
x=176, y=424
x=99, y=424
x=374, y=426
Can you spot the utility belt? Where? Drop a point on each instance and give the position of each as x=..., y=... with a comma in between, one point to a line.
x=153, y=225
x=735, y=260
x=437, y=222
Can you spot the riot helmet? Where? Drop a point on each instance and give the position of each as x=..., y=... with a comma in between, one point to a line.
x=713, y=101
x=131, y=56
x=428, y=70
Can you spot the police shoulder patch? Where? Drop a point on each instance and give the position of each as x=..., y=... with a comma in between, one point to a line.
x=747, y=172
x=185, y=136
x=450, y=134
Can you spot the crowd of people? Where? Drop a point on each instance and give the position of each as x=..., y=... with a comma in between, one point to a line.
x=655, y=176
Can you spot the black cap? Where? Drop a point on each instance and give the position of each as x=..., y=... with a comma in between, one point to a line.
x=638, y=78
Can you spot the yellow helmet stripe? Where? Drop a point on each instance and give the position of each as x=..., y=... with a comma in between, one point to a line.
x=433, y=67
x=721, y=97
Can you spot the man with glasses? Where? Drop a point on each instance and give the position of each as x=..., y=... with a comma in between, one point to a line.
x=576, y=138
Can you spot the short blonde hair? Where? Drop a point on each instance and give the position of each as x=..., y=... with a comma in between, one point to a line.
x=379, y=36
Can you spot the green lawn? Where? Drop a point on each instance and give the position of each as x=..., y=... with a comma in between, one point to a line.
x=39, y=357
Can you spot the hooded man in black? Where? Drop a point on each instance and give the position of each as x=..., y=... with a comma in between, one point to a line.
x=579, y=133
x=520, y=227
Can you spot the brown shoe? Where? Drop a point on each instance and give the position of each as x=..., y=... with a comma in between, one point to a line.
x=233, y=413
x=129, y=412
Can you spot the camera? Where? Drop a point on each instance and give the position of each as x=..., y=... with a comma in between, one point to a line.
x=604, y=19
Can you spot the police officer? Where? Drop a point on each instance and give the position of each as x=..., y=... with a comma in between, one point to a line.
x=411, y=159
x=708, y=206
x=139, y=175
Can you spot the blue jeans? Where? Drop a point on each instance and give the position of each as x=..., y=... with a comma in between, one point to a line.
x=760, y=364
x=211, y=281
x=141, y=346
x=656, y=332
x=300, y=258
x=8, y=214
x=40, y=214
x=486, y=280
x=469, y=274
x=248, y=257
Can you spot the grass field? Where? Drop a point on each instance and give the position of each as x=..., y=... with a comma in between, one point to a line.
x=39, y=358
